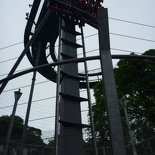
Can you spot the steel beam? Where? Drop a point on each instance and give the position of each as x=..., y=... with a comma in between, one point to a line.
x=30, y=96
x=114, y=118
x=70, y=137
x=138, y=57
x=89, y=97
x=49, y=65
x=26, y=49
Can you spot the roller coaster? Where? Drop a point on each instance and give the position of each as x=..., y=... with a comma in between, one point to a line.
x=57, y=20
x=49, y=33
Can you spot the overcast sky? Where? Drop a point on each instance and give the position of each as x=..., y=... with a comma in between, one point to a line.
x=12, y=25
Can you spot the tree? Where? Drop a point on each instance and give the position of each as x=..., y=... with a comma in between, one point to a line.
x=33, y=134
x=100, y=116
x=136, y=80
x=51, y=143
x=16, y=130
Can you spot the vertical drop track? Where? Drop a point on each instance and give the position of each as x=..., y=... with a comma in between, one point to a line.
x=69, y=137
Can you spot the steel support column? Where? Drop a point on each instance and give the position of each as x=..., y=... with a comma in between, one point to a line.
x=70, y=137
x=114, y=118
x=89, y=97
x=57, y=108
x=23, y=139
x=17, y=97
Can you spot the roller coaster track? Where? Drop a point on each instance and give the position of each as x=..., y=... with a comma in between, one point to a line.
x=61, y=22
x=59, y=18
x=50, y=31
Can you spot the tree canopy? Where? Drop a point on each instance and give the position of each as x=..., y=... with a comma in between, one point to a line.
x=135, y=79
x=33, y=134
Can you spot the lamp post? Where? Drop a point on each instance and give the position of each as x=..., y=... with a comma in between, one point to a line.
x=17, y=97
x=124, y=103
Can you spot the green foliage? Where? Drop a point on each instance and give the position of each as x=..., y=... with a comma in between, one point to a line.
x=136, y=80
x=16, y=130
x=33, y=134
x=100, y=116
x=51, y=143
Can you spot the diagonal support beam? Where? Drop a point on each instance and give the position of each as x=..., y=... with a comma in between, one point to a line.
x=114, y=118
x=26, y=49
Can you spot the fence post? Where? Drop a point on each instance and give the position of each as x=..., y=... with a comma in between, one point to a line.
x=103, y=151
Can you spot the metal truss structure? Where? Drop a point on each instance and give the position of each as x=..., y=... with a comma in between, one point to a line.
x=58, y=19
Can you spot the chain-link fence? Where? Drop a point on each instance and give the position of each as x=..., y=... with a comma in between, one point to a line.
x=137, y=108
x=17, y=148
x=145, y=148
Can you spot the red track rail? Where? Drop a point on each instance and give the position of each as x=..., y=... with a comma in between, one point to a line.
x=82, y=10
